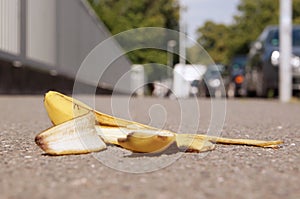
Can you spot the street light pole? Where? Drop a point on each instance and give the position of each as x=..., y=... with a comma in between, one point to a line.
x=182, y=36
x=170, y=48
x=285, y=77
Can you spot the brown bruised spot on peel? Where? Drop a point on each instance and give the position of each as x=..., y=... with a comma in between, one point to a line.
x=39, y=140
x=122, y=140
x=188, y=150
x=52, y=122
x=106, y=125
x=76, y=106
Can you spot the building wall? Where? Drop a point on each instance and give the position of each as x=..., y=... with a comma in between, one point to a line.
x=55, y=36
x=10, y=26
x=41, y=31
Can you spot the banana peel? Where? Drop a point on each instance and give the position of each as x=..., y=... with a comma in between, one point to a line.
x=75, y=136
x=67, y=114
x=147, y=141
x=61, y=108
x=193, y=143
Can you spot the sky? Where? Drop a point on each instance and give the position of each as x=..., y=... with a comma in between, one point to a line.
x=199, y=11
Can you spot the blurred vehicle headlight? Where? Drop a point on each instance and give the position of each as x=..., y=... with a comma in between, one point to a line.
x=275, y=58
x=295, y=61
x=214, y=83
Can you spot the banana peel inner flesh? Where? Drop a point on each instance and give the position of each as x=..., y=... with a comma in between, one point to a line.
x=75, y=136
x=96, y=129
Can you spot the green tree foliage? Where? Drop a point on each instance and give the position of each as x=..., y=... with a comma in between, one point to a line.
x=122, y=15
x=253, y=17
x=197, y=55
x=296, y=11
x=224, y=41
x=214, y=39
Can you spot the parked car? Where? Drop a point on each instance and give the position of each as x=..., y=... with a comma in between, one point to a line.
x=214, y=81
x=262, y=70
x=237, y=72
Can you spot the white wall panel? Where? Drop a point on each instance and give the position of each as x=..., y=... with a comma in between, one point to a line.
x=58, y=35
x=10, y=26
x=41, y=31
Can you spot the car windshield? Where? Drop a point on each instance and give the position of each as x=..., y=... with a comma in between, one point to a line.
x=273, y=38
x=238, y=66
x=238, y=63
x=215, y=70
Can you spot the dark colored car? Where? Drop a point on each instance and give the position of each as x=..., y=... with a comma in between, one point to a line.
x=237, y=71
x=262, y=71
x=214, y=81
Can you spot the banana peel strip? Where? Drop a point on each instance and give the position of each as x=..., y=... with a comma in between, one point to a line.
x=75, y=136
x=65, y=112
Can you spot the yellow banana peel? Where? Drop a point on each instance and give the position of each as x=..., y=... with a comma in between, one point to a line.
x=193, y=143
x=75, y=136
x=67, y=114
x=148, y=141
x=61, y=108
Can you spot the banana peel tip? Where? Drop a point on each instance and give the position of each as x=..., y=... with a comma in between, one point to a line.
x=40, y=142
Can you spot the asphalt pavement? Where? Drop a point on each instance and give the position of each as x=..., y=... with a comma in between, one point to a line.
x=227, y=172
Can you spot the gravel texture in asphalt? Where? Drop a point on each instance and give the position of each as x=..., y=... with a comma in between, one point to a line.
x=229, y=171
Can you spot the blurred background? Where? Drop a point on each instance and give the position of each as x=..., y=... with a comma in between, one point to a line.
x=43, y=43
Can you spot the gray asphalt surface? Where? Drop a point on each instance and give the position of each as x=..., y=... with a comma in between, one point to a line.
x=227, y=172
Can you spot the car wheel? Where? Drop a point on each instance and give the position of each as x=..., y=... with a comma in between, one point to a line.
x=207, y=94
x=261, y=86
x=296, y=93
x=249, y=86
x=202, y=90
x=231, y=91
